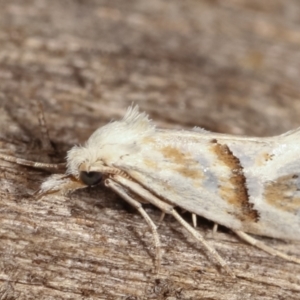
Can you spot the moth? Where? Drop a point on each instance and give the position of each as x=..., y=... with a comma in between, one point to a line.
x=250, y=185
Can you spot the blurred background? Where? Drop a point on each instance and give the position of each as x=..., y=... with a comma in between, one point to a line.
x=229, y=66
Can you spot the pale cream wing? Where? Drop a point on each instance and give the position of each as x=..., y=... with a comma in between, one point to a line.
x=196, y=172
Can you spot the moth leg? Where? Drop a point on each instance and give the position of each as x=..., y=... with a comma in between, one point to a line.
x=254, y=242
x=200, y=238
x=122, y=193
x=167, y=208
x=194, y=220
x=29, y=163
x=162, y=216
x=215, y=228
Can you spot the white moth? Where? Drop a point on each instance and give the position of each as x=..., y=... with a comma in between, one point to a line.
x=250, y=185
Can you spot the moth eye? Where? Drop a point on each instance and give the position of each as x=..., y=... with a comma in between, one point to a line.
x=90, y=178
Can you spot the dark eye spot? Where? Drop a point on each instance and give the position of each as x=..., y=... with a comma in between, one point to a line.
x=90, y=178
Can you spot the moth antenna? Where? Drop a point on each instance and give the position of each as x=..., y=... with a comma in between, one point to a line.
x=30, y=163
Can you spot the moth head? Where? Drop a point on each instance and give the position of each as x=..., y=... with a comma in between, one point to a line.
x=98, y=157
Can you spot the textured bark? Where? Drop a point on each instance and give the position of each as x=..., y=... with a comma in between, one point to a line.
x=229, y=66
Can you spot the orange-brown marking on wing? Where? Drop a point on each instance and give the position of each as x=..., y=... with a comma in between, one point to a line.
x=174, y=154
x=148, y=140
x=185, y=164
x=150, y=163
x=284, y=193
x=189, y=172
x=235, y=190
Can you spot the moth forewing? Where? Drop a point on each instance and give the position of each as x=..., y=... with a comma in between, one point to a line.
x=220, y=179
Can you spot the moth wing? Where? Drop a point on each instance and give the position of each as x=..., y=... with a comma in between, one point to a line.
x=239, y=182
x=194, y=171
x=280, y=193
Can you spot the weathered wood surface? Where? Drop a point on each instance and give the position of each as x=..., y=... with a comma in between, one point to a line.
x=229, y=66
